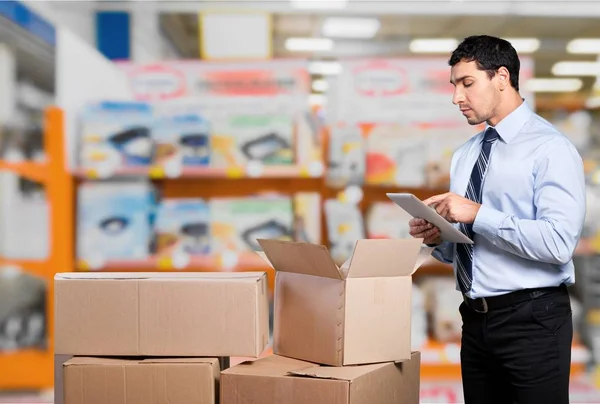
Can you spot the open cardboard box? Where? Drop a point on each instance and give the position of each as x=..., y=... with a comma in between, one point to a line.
x=277, y=380
x=359, y=313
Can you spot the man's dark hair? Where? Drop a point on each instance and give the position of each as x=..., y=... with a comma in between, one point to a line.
x=490, y=54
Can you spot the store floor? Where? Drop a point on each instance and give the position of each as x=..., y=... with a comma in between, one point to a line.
x=582, y=391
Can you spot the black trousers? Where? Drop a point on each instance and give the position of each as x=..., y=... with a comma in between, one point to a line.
x=518, y=354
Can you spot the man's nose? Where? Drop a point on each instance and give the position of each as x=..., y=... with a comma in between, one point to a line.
x=457, y=97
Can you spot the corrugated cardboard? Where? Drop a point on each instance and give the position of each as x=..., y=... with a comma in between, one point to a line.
x=161, y=314
x=277, y=380
x=159, y=381
x=357, y=314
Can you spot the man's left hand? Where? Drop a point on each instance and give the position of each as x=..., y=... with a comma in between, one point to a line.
x=454, y=208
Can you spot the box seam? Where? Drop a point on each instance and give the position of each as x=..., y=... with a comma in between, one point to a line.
x=341, y=314
x=139, y=319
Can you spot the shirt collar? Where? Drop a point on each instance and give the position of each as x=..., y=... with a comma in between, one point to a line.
x=511, y=124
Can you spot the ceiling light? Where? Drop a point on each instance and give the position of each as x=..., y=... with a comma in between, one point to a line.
x=325, y=68
x=576, y=68
x=524, y=45
x=440, y=45
x=338, y=27
x=319, y=4
x=584, y=45
x=308, y=44
x=320, y=86
x=593, y=102
x=553, y=85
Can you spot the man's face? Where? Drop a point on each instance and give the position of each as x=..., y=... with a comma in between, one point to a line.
x=475, y=94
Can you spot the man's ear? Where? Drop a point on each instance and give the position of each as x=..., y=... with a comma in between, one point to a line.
x=503, y=77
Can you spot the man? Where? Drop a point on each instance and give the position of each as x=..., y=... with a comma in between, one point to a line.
x=517, y=190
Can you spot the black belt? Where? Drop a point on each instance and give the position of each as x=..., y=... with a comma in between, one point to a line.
x=485, y=304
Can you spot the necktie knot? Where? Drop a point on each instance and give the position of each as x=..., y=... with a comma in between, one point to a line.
x=491, y=135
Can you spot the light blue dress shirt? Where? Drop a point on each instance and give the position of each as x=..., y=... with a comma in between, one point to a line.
x=532, y=207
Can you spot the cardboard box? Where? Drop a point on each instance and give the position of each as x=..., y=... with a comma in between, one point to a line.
x=161, y=314
x=357, y=314
x=115, y=381
x=277, y=380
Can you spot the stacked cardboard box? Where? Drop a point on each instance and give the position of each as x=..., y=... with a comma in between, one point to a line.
x=342, y=335
x=153, y=337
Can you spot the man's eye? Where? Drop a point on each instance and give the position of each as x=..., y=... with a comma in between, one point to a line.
x=468, y=84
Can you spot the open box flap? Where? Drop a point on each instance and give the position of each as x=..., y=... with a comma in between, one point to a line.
x=389, y=257
x=300, y=258
x=347, y=373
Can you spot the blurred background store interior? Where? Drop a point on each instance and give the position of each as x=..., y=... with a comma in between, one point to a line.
x=169, y=135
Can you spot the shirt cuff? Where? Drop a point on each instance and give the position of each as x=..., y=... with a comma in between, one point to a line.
x=488, y=221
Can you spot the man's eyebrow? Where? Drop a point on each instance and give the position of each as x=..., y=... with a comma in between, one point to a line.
x=459, y=79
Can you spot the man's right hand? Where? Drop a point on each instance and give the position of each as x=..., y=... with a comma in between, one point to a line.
x=421, y=228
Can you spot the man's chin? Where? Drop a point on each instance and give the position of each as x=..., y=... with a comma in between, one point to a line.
x=474, y=121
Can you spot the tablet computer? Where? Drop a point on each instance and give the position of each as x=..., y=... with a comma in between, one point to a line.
x=417, y=209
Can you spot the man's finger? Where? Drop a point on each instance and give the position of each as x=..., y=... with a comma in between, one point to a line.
x=417, y=222
x=435, y=199
x=441, y=207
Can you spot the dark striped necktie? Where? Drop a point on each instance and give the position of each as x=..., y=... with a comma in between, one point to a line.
x=464, y=252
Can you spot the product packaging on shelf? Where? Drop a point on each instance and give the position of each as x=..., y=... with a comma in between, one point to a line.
x=182, y=227
x=355, y=314
x=442, y=301
x=114, y=220
x=23, y=311
x=344, y=227
x=443, y=142
x=236, y=223
x=278, y=380
x=396, y=155
x=264, y=138
x=419, y=329
x=385, y=220
x=181, y=141
x=307, y=217
x=24, y=218
x=347, y=158
x=114, y=135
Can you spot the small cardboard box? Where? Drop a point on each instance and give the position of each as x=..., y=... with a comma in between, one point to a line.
x=357, y=314
x=114, y=381
x=161, y=314
x=278, y=380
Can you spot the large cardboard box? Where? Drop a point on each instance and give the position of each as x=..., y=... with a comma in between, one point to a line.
x=161, y=314
x=279, y=380
x=357, y=314
x=89, y=380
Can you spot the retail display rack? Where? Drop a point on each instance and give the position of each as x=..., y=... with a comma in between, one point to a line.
x=28, y=369
x=32, y=369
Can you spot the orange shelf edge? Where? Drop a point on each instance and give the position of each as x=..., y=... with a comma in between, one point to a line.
x=34, y=267
x=37, y=172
